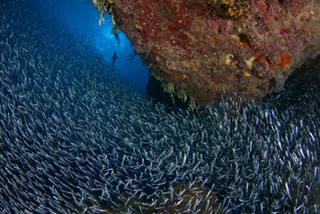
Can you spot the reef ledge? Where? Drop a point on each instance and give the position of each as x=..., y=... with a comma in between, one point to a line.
x=201, y=49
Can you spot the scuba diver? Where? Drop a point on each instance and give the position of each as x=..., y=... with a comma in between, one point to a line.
x=114, y=58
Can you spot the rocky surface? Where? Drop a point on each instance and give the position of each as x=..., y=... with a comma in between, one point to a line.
x=199, y=49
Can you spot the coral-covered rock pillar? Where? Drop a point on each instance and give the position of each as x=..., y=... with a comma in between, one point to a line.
x=202, y=48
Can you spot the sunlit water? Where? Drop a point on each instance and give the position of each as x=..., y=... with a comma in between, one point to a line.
x=81, y=18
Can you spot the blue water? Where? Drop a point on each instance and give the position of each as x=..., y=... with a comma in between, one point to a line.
x=81, y=17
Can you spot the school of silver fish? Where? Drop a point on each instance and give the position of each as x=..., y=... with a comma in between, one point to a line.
x=75, y=139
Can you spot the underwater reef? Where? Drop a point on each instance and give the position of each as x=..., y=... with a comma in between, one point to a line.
x=75, y=138
x=202, y=49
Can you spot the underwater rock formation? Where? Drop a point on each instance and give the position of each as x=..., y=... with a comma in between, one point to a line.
x=205, y=48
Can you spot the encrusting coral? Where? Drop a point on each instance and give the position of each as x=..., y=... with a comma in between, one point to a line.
x=246, y=48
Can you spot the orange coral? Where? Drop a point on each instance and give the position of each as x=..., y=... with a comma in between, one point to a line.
x=285, y=60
